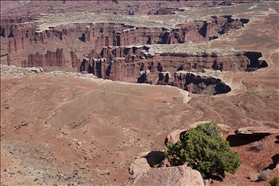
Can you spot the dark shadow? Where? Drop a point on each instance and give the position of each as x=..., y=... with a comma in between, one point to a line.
x=221, y=88
x=82, y=38
x=277, y=137
x=142, y=78
x=235, y=140
x=202, y=31
x=213, y=37
x=180, y=68
x=108, y=71
x=164, y=38
x=275, y=160
x=82, y=65
x=90, y=69
x=229, y=18
x=216, y=177
x=255, y=62
x=154, y=158
x=159, y=67
x=244, y=21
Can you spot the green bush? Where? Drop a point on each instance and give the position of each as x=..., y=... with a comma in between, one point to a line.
x=205, y=150
x=274, y=181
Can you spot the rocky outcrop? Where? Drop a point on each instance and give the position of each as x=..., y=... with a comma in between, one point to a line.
x=256, y=131
x=176, y=135
x=34, y=69
x=163, y=11
x=139, y=58
x=137, y=64
x=139, y=165
x=145, y=161
x=75, y=61
x=21, y=36
x=199, y=84
x=9, y=25
x=176, y=176
x=49, y=59
x=116, y=56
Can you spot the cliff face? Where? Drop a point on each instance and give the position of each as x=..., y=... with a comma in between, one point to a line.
x=135, y=64
x=120, y=52
x=122, y=61
x=21, y=36
x=199, y=84
x=49, y=59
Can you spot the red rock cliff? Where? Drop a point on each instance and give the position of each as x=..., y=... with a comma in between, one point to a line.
x=49, y=59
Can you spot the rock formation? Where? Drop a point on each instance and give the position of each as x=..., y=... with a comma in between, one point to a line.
x=199, y=84
x=145, y=161
x=49, y=59
x=75, y=61
x=256, y=131
x=178, y=176
x=176, y=135
x=121, y=52
x=21, y=36
x=137, y=64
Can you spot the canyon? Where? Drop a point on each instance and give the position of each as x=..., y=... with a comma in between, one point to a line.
x=88, y=86
x=120, y=52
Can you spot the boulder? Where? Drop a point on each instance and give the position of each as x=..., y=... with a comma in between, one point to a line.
x=138, y=166
x=144, y=161
x=34, y=69
x=174, y=136
x=256, y=131
x=165, y=176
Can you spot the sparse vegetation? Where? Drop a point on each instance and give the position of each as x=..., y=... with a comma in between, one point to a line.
x=258, y=146
x=156, y=165
x=250, y=176
x=36, y=179
x=205, y=150
x=274, y=181
x=263, y=175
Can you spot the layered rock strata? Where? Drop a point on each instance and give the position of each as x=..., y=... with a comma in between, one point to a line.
x=137, y=64
x=49, y=59
x=22, y=35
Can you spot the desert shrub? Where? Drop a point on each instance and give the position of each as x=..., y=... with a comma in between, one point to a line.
x=258, y=145
x=274, y=181
x=205, y=150
x=263, y=175
x=250, y=176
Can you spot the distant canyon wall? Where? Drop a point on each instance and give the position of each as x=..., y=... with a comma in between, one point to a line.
x=21, y=36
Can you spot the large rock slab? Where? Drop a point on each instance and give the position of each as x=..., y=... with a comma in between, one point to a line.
x=166, y=176
x=256, y=131
x=144, y=161
x=138, y=166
